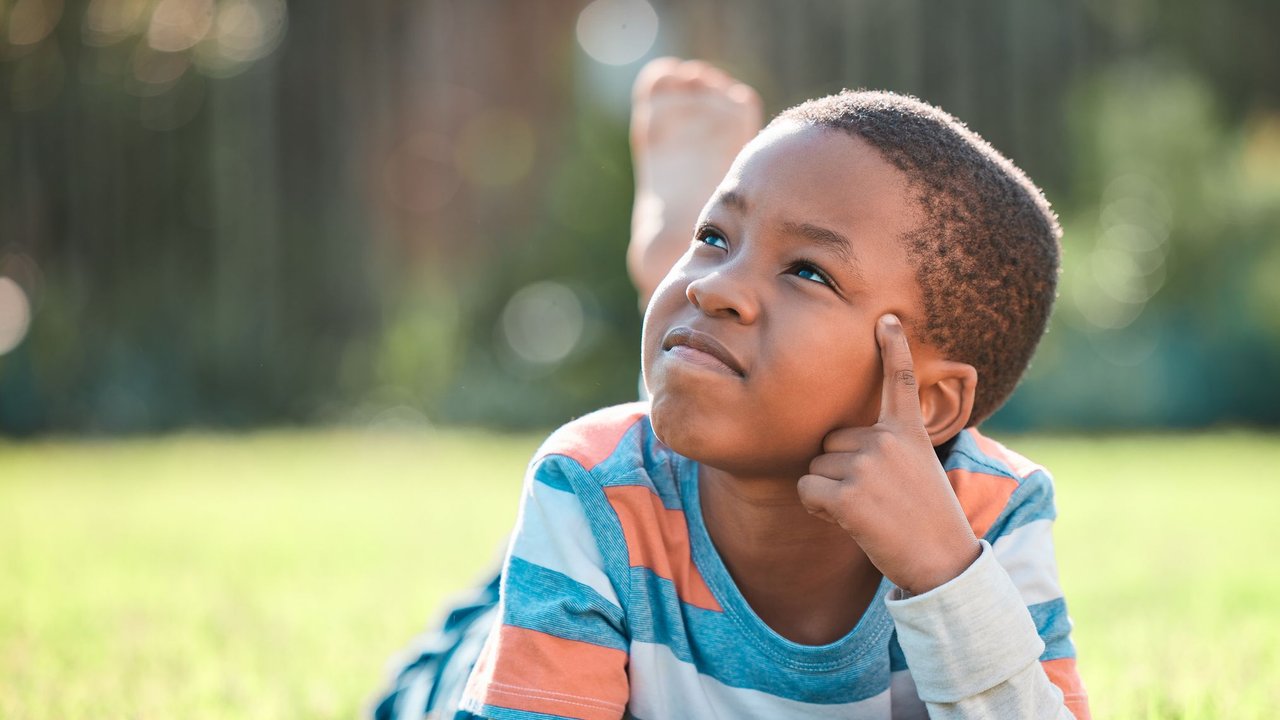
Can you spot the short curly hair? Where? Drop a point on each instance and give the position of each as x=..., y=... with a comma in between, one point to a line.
x=987, y=254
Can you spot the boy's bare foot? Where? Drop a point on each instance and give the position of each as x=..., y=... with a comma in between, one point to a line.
x=689, y=119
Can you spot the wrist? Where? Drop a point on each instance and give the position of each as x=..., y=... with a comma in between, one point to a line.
x=942, y=566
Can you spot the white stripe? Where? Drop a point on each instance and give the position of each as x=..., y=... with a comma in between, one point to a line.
x=554, y=533
x=1027, y=555
x=663, y=686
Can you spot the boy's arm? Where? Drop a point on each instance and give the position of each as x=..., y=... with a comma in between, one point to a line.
x=559, y=648
x=884, y=486
x=975, y=652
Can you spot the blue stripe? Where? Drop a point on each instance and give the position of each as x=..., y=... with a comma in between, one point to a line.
x=550, y=471
x=656, y=615
x=1054, y=626
x=1033, y=500
x=660, y=466
x=539, y=599
x=606, y=528
x=897, y=658
x=492, y=712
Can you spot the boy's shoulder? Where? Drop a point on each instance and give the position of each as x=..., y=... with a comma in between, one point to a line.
x=615, y=445
x=976, y=451
x=613, y=453
x=997, y=486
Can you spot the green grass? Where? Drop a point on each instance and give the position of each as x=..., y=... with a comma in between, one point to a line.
x=271, y=575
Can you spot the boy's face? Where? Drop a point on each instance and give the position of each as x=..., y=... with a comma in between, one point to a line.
x=761, y=339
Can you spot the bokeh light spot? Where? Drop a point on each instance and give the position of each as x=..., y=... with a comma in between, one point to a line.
x=157, y=72
x=1138, y=191
x=617, y=32
x=178, y=25
x=107, y=22
x=15, y=314
x=24, y=271
x=1260, y=153
x=241, y=30
x=1118, y=276
x=543, y=322
x=495, y=148
x=31, y=21
x=1126, y=266
x=244, y=31
x=1102, y=309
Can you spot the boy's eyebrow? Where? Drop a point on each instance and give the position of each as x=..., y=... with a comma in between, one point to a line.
x=732, y=199
x=826, y=237
x=830, y=239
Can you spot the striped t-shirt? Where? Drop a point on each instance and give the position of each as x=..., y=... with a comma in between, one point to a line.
x=614, y=601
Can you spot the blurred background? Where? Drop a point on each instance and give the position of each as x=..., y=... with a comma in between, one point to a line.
x=290, y=292
x=238, y=213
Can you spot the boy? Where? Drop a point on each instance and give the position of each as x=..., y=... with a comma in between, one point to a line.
x=802, y=521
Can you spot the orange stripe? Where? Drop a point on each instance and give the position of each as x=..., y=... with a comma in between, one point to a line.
x=1020, y=466
x=1062, y=672
x=527, y=670
x=982, y=496
x=658, y=539
x=592, y=438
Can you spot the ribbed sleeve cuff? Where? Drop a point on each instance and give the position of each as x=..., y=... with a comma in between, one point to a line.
x=965, y=636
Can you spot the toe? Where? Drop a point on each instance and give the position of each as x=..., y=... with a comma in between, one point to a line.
x=693, y=74
x=714, y=77
x=655, y=73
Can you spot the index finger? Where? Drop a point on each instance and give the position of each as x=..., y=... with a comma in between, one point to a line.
x=900, y=397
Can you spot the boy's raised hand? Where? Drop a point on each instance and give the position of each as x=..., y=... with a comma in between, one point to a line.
x=884, y=486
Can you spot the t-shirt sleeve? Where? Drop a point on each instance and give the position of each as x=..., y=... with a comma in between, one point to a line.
x=996, y=639
x=560, y=648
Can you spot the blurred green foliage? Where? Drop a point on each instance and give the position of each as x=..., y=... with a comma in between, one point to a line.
x=232, y=212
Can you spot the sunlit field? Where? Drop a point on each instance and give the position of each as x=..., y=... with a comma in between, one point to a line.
x=272, y=575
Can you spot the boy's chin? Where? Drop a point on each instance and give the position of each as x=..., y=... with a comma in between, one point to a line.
x=678, y=424
x=719, y=443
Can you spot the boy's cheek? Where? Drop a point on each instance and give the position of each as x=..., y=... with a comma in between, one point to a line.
x=851, y=395
x=671, y=291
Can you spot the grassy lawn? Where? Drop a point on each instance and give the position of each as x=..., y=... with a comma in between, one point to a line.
x=271, y=575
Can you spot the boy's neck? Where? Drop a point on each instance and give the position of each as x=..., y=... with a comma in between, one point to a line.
x=803, y=576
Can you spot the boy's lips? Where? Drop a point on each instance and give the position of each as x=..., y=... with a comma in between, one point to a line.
x=702, y=343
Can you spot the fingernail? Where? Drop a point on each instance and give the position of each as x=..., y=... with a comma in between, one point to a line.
x=891, y=319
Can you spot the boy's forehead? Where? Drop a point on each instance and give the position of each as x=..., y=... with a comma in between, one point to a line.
x=821, y=176
x=816, y=148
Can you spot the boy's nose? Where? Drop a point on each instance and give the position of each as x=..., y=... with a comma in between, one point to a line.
x=721, y=294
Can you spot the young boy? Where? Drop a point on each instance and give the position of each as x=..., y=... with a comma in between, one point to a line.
x=802, y=521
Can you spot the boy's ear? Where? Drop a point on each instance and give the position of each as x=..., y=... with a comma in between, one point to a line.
x=946, y=399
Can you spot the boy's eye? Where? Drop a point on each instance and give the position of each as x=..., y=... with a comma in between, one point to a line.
x=712, y=238
x=811, y=272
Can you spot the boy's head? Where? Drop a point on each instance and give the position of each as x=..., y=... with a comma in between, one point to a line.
x=986, y=254
x=761, y=340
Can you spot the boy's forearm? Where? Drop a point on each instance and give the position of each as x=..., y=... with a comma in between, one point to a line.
x=973, y=648
x=1028, y=694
